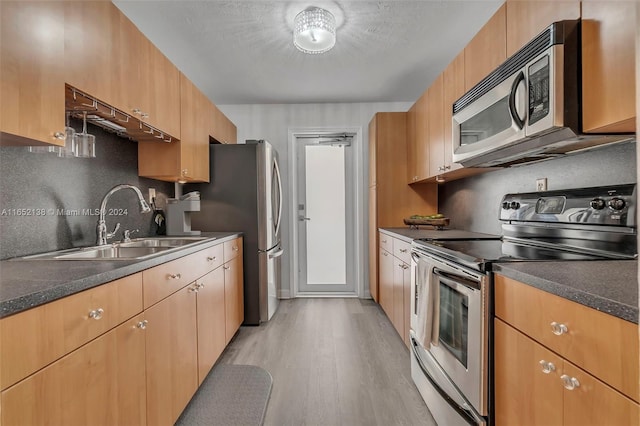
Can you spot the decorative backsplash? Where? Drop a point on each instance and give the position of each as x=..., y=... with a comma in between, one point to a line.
x=474, y=203
x=50, y=203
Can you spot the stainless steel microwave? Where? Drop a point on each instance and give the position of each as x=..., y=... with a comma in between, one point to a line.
x=529, y=108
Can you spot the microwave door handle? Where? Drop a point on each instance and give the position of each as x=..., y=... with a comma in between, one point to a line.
x=513, y=108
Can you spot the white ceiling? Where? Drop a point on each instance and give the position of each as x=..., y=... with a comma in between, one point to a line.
x=241, y=52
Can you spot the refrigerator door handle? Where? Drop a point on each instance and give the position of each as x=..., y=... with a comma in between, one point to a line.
x=276, y=254
x=277, y=169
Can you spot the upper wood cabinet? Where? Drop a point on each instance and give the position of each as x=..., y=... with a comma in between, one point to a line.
x=435, y=112
x=418, y=142
x=188, y=159
x=222, y=129
x=411, y=144
x=486, y=50
x=528, y=18
x=108, y=58
x=32, y=67
x=608, y=66
x=453, y=89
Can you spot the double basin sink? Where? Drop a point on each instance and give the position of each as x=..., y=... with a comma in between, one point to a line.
x=139, y=248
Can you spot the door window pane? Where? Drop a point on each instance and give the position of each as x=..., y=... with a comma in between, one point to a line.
x=454, y=318
x=326, y=231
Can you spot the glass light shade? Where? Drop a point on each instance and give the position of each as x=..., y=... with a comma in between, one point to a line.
x=314, y=31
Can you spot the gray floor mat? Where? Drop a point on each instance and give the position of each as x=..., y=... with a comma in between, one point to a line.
x=231, y=395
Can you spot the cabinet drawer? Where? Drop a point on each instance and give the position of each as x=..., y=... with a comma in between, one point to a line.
x=601, y=344
x=386, y=242
x=402, y=250
x=32, y=339
x=232, y=249
x=211, y=258
x=163, y=280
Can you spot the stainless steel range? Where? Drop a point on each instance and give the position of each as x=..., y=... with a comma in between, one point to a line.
x=451, y=301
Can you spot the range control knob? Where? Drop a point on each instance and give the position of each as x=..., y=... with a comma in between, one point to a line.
x=617, y=203
x=505, y=205
x=515, y=205
x=597, y=204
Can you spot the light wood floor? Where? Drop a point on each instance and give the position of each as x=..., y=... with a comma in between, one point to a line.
x=333, y=362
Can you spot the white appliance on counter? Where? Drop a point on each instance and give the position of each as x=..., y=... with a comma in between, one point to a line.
x=244, y=194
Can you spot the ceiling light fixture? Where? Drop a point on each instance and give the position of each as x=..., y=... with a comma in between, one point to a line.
x=314, y=30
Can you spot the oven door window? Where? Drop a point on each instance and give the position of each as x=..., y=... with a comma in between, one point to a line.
x=454, y=319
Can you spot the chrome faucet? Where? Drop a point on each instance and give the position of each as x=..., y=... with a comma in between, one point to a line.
x=103, y=235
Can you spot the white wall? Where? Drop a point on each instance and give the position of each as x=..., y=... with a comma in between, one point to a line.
x=272, y=123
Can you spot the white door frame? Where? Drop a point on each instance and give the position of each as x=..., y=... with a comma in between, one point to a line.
x=358, y=179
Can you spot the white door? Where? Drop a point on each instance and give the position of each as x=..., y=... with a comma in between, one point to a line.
x=325, y=215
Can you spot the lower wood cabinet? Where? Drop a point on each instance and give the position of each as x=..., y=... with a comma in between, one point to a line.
x=102, y=383
x=561, y=363
x=394, y=281
x=103, y=360
x=211, y=320
x=172, y=356
x=534, y=386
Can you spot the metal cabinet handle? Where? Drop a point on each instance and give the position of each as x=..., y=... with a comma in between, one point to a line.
x=226, y=267
x=403, y=250
x=384, y=253
x=194, y=288
x=547, y=367
x=200, y=285
x=142, y=324
x=211, y=259
x=569, y=383
x=235, y=248
x=59, y=135
x=175, y=276
x=384, y=241
x=559, y=329
x=96, y=314
x=405, y=266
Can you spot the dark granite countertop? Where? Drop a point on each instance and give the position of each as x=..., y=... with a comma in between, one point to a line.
x=610, y=286
x=408, y=234
x=25, y=284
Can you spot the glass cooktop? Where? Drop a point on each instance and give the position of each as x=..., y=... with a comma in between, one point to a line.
x=481, y=253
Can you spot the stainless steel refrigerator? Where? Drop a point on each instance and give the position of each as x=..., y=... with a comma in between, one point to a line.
x=245, y=194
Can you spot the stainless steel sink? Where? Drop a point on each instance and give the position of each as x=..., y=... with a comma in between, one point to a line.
x=140, y=248
x=162, y=242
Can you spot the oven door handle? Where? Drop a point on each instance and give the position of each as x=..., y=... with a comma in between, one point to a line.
x=468, y=414
x=458, y=279
x=415, y=257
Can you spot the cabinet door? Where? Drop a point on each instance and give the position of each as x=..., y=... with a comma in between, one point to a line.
x=162, y=98
x=211, y=321
x=524, y=393
x=421, y=149
x=487, y=50
x=187, y=159
x=436, y=131
x=398, y=296
x=373, y=171
x=593, y=403
x=222, y=130
x=386, y=282
x=608, y=66
x=101, y=383
x=528, y=18
x=31, y=65
x=233, y=296
x=373, y=245
x=411, y=145
x=453, y=89
x=171, y=356
x=603, y=345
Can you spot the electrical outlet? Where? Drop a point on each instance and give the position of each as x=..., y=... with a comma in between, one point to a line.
x=152, y=194
x=541, y=184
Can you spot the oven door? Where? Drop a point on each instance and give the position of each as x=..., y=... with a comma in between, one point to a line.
x=493, y=121
x=458, y=320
